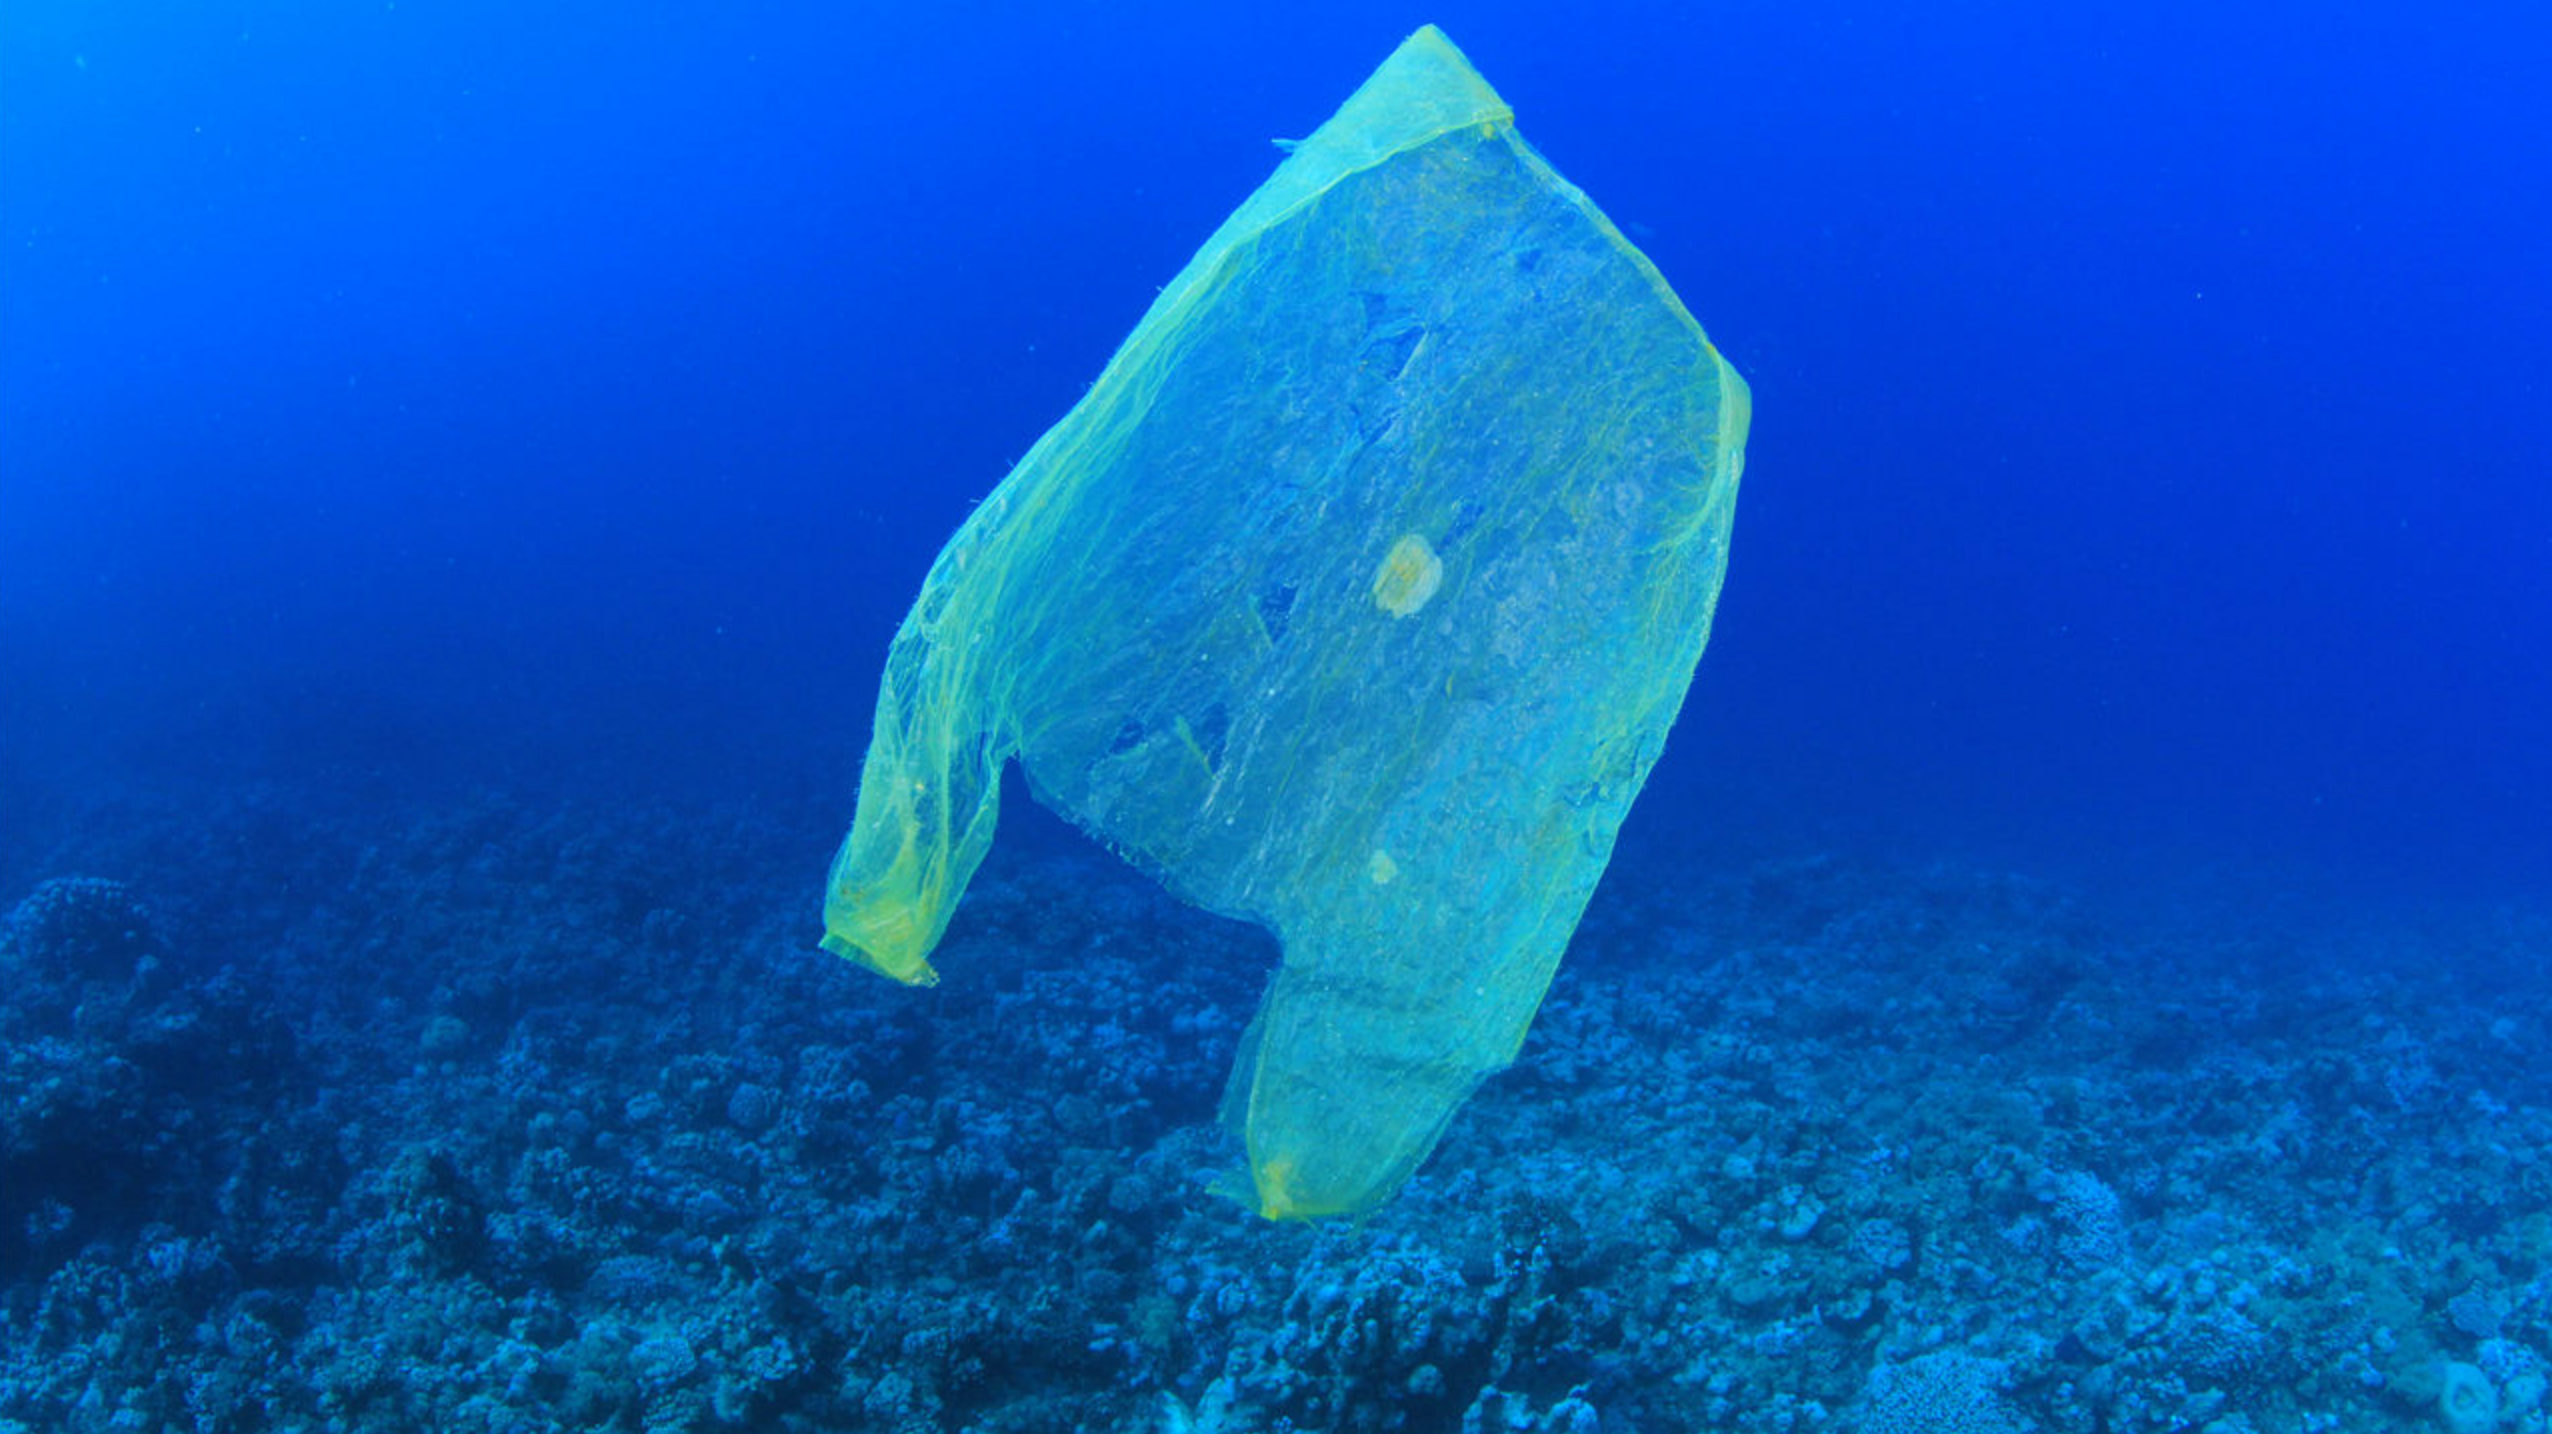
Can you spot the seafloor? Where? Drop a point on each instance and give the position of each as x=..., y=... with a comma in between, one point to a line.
x=518, y=1117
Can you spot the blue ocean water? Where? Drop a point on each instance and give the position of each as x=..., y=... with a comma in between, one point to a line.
x=2145, y=447
x=461, y=465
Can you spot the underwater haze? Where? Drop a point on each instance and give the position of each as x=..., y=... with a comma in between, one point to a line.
x=2078, y=965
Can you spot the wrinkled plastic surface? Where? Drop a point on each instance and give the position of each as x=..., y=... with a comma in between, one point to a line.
x=1355, y=599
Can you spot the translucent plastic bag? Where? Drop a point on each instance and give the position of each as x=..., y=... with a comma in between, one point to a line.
x=1355, y=599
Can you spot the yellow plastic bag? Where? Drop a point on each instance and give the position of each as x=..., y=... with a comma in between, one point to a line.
x=1355, y=599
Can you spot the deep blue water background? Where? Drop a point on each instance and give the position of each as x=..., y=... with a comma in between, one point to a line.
x=2080, y=962
x=2149, y=461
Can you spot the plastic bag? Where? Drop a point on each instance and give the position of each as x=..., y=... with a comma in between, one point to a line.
x=1355, y=599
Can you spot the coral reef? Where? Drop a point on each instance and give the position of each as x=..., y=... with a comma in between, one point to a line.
x=506, y=1120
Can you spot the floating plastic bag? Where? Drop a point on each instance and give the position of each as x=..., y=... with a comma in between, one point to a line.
x=1355, y=599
